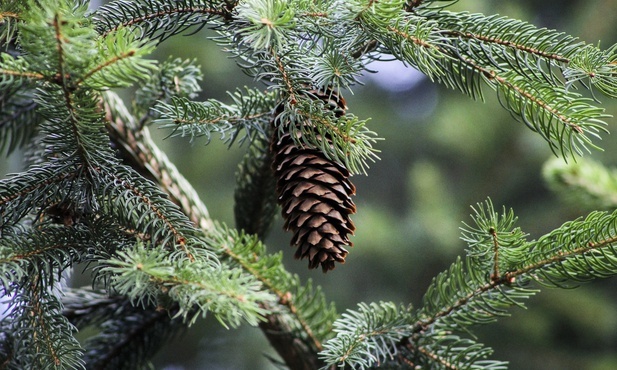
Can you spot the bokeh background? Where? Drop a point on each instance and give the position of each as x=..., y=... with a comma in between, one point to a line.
x=442, y=153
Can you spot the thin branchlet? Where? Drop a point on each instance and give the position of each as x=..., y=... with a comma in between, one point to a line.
x=39, y=315
x=445, y=363
x=509, y=44
x=135, y=21
x=161, y=215
x=291, y=91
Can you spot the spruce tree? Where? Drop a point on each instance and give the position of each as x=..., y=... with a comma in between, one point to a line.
x=96, y=189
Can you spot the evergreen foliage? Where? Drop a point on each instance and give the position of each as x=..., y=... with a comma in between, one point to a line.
x=98, y=191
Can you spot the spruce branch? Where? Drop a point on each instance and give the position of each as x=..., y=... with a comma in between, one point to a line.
x=415, y=5
x=250, y=112
x=19, y=119
x=286, y=69
x=563, y=118
x=130, y=338
x=264, y=24
x=20, y=194
x=578, y=251
x=367, y=337
x=9, y=19
x=55, y=39
x=85, y=306
x=117, y=193
x=250, y=256
x=199, y=286
x=529, y=50
x=171, y=263
x=448, y=351
x=461, y=297
x=15, y=73
x=594, y=66
x=40, y=336
x=516, y=39
x=119, y=62
x=129, y=341
x=45, y=252
x=159, y=19
x=147, y=209
x=474, y=292
x=303, y=317
x=127, y=336
x=173, y=78
x=138, y=150
x=334, y=68
x=303, y=302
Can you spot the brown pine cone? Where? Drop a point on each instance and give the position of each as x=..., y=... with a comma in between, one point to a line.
x=315, y=195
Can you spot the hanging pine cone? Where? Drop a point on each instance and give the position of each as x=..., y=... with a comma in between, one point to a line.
x=315, y=195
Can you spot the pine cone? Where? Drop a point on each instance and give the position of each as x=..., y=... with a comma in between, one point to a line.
x=315, y=195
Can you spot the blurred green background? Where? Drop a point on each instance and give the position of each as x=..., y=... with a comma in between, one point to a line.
x=442, y=153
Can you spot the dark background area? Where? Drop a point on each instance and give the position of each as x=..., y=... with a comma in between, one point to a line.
x=442, y=153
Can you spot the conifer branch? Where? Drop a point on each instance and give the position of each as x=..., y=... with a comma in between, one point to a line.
x=251, y=111
x=541, y=105
x=179, y=237
x=100, y=67
x=130, y=337
x=370, y=329
x=510, y=44
x=43, y=336
x=9, y=17
x=285, y=298
x=164, y=14
x=437, y=359
x=450, y=351
x=86, y=306
x=140, y=152
x=277, y=324
x=552, y=104
x=158, y=19
x=291, y=91
x=558, y=258
x=230, y=295
x=19, y=195
x=416, y=5
x=512, y=34
x=23, y=74
x=39, y=315
x=175, y=78
x=43, y=178
x=56, y=247
x=471, y=292
x=4, y=15
x=107, y=349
